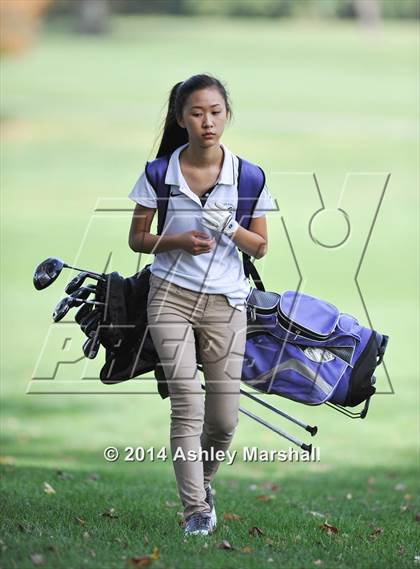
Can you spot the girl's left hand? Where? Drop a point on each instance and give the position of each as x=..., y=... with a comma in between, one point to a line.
x=220, y=219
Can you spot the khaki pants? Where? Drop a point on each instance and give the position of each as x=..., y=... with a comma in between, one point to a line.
x=197, y=423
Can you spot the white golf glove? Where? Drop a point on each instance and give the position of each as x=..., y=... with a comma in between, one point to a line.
x=220, y=219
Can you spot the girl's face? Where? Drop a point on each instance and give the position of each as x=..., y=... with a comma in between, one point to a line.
x=204, y=117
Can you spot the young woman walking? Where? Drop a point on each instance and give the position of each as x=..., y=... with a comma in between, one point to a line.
x=198, y=286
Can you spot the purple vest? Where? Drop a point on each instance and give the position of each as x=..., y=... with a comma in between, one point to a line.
x=251, y=181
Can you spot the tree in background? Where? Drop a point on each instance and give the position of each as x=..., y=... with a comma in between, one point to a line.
x=19, y=23
x=368, y=12
x=93, y=16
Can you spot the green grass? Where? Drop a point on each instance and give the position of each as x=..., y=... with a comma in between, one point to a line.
x=79, y=116
x=376, y=523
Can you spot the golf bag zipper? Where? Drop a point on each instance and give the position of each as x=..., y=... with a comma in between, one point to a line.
x=254, y=333
x=285, y=322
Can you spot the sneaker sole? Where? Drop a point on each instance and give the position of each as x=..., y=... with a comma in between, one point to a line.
x=213, y=519
x=198, y=532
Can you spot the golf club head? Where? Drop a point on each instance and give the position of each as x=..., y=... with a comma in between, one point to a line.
x=79, y=279
x=47, y=272
x=91, y=323
x=83, y=312
x=91, y=348
x=83, y=292
x=61, y=309
x=76, y=282
x=70, y=302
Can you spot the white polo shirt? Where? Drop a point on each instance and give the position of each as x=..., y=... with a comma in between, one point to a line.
x=221, y=270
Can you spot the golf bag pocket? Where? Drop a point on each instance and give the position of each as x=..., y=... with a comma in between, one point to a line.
x=306, y=316
x=305, y=374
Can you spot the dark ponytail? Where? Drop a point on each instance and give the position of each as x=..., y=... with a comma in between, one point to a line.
x=174, y=135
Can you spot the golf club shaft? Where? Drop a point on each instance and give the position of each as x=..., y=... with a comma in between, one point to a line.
x=290, y=438
x=282, y=413
x=83, y=271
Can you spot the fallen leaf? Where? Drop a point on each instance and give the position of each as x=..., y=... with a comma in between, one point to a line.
x=110, y=513
x=37, y=558
x=171, y=504
x=80, y=521
x=143, y=561
x=246, y=549
x=255, y=531
x=155, y=554
x=265, y=498
x=224, y=545
x=48, y=489
x=270, y=486
x=228, y=516
x=376, y=532
x=328, y=528
x=407, y=496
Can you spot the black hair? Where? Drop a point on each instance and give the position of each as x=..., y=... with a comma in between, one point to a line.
x=174, y=135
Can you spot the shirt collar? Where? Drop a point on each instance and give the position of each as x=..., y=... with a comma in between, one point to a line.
x=174, y=175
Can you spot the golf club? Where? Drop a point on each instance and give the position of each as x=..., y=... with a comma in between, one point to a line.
x=70, y=302
x=78, y=280
x=91, y=347
x=48, y=271
x=83, y=292
x=83, y=312
x=91, y=322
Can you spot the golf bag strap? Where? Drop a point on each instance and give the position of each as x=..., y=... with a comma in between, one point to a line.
x=251, y=182
x=251, y=270
x=156, y=174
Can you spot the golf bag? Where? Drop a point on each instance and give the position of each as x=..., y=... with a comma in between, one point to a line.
x=298, y=346
x=302, y=348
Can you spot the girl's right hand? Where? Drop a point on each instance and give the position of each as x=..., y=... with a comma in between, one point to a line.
x=196, y=242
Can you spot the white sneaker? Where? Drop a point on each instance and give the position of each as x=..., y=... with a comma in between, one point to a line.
x=210, y=502
x=198, y=524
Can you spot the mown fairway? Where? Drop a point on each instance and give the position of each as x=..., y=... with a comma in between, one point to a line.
x=79, y=118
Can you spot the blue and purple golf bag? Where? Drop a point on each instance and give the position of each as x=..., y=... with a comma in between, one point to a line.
x=303, y=348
